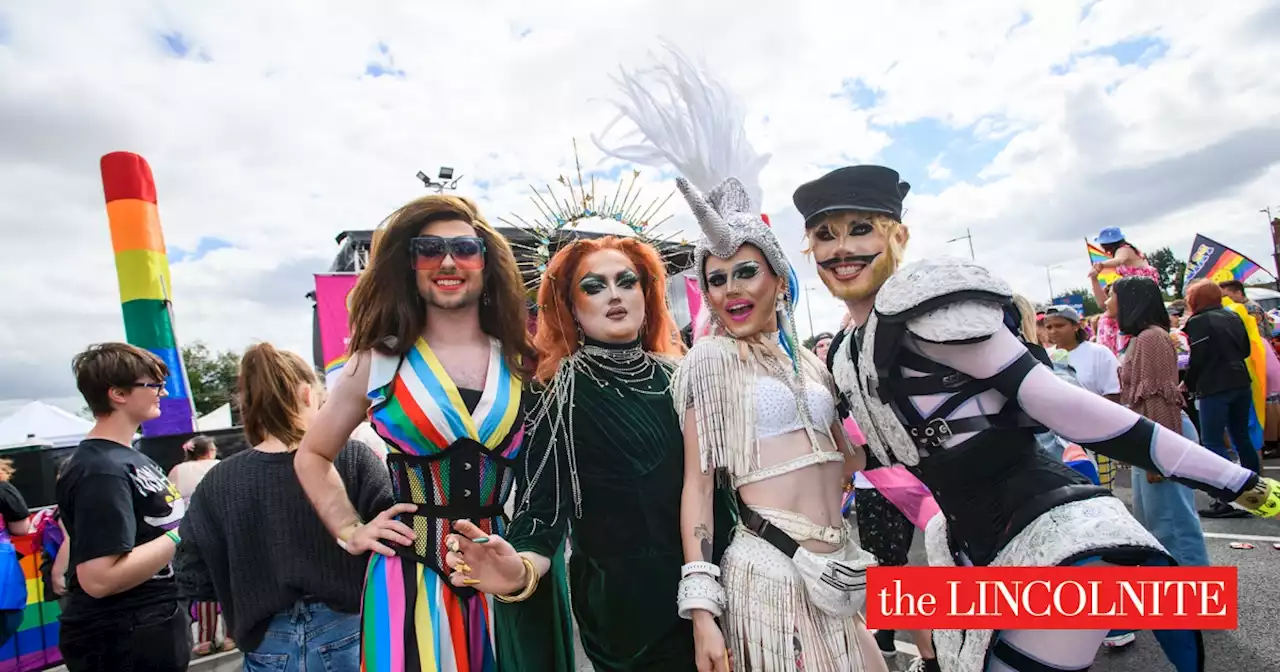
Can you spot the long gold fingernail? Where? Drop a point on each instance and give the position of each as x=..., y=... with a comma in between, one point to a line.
x=470, y=582
x=464, y=568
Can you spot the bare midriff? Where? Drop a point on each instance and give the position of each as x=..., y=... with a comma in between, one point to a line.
x=813, y=491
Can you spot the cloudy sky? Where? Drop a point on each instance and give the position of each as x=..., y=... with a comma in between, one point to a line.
x=271, y=129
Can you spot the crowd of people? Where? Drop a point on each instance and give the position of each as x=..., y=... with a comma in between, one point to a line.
x=698, y=487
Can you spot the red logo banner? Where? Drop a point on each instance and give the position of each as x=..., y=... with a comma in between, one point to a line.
x=1052, y=598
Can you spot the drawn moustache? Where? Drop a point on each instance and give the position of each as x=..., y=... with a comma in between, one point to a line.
x=850, y=259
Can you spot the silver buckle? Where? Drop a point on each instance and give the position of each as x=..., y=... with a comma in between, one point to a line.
x=935, y=433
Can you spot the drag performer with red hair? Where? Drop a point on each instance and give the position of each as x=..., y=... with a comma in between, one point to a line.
x=603, y=463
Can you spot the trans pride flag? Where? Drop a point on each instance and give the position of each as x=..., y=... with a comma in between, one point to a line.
x=1096, y=256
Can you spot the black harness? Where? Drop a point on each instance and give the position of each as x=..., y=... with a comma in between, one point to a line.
x=999, y=480
x=896, y=390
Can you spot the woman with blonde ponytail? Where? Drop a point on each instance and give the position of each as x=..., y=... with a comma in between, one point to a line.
x=252, y=540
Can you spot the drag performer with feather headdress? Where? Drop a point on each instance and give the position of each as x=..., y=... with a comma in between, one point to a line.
x=757, y=409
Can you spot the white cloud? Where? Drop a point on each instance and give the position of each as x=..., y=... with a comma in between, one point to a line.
x=268, y=136
x=937, y=171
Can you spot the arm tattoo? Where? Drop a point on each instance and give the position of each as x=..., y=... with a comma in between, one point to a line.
x=701, y=532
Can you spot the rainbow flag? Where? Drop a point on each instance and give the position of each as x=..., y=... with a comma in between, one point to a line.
x=35, y=646
x=1097, y=255
x=1217, y=262
x=142, y=267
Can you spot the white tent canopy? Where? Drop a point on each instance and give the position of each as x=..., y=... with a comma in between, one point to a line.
x=40, y=422
x=218, y=418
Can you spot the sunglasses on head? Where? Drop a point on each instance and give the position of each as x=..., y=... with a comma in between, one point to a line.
x=428, y=252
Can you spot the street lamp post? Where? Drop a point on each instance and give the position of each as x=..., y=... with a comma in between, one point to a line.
x=967, y=235
x=446, y=180
x=808, y=306
x=1049, y=276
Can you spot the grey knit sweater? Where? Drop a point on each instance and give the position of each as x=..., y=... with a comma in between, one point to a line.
x=252, y=541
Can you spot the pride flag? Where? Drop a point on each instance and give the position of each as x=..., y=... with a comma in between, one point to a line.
x=35, y=646
x=1096, y=256
x=331, y=313
x=1217, y=262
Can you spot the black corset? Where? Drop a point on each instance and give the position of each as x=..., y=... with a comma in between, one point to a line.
x=996, y=484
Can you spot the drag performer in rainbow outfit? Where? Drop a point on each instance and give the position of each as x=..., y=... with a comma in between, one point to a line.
x=439, y=355
x=937, y=381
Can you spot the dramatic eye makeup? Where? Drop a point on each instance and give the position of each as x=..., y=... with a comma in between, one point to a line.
x=856, y=228
x=741, y=271
x=594, y=283
x=627, y=279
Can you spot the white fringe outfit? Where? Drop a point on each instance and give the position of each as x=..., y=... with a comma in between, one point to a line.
x=771, y=620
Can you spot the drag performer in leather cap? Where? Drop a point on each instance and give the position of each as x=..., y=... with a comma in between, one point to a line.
x=937, y=382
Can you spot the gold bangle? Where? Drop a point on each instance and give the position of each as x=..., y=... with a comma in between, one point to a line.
x=345, y=534
x=531, y=584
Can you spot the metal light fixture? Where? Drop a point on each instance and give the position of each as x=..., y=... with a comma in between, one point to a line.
x=445, y=177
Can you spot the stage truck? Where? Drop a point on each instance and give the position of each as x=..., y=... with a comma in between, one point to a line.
x=580, y=208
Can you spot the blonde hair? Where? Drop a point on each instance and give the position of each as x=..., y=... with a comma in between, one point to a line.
x=1027, y=315
x=886, y=225
x=6, y=469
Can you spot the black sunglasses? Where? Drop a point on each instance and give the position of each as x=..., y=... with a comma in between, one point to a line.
x=429, y=251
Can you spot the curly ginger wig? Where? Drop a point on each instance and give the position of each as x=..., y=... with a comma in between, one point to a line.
x=557, y=334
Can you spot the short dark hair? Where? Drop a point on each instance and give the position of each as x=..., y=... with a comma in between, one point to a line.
x=109, y=366
x=1232, y=286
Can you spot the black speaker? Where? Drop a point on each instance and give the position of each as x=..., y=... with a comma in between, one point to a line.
x=36, y=472
x=167, y=450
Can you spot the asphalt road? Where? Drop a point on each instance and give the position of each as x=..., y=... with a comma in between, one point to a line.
x=1254, y=645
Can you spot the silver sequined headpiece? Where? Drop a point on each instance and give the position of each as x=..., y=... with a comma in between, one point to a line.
x=728, y=221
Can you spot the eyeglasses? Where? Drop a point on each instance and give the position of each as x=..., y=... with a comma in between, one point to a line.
x=429, y=252
x=159, y=388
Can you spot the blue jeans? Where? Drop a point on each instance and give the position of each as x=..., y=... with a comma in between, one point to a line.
x=1168, y=510
x=308, y=638
x=1228, y=413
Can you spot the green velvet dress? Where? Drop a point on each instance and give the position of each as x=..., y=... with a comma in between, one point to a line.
x=624, y=567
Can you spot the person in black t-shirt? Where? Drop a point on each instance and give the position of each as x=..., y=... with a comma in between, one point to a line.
x=13, y=586
x=122, y=515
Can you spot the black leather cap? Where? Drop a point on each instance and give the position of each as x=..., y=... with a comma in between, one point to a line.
x=868, y=188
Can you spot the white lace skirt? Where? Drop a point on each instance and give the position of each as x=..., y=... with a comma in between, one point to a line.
x=770, y=624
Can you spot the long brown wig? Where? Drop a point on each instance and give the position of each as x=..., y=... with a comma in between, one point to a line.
x=557, y=335
x=387, y=313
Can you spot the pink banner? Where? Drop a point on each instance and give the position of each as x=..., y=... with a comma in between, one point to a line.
x=694, y=297
x=331, y=310
x=898, y=485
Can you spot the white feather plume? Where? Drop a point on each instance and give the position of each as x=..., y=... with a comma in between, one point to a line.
x=698, y=127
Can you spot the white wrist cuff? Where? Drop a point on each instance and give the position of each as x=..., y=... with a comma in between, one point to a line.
x=691, y=568
x=700, y=591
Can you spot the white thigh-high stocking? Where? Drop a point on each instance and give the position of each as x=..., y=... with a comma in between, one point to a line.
x=1045, y=650
x=872, y=660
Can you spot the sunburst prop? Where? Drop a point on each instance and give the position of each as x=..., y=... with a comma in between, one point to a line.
x=563, y=219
